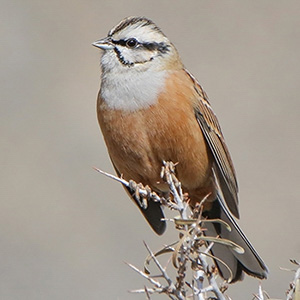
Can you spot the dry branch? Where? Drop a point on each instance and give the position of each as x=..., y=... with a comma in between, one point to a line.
x=191, y=253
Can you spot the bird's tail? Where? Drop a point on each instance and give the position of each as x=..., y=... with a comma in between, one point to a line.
x=248, y=262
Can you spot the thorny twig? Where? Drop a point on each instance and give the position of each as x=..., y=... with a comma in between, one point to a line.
x=189, y=227
x=294, y=289
x=189, y=224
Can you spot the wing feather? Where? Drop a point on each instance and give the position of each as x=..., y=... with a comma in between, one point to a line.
x=153, y=212
x=211, y=129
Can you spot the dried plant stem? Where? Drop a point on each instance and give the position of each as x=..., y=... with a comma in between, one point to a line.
x=188, y=253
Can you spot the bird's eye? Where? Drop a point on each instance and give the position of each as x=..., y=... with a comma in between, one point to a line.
x=131, y=43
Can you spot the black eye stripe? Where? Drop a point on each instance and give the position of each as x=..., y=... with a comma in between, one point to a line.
x=119, y=42
x=161, y=47
x=125, y=42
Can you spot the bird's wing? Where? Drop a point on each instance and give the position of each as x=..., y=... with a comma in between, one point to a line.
x=152, y=211
x=223, y=164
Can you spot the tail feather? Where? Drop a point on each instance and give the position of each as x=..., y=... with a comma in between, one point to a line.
x=248, y=262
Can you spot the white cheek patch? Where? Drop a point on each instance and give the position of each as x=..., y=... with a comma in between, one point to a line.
x=132, y=90
x=135, y=56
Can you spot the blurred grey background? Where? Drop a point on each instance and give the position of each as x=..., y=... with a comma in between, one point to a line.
x=65, y=230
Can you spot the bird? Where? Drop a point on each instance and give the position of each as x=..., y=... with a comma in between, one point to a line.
x=151, y=109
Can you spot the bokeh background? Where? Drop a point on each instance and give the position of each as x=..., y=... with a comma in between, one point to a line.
x=65, y=230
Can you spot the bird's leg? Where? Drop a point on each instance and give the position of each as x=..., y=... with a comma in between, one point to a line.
x=141, y=199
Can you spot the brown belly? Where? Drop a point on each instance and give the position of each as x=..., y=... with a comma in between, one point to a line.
x=139, y=141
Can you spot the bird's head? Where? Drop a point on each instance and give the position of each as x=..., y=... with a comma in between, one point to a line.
x=137, y=43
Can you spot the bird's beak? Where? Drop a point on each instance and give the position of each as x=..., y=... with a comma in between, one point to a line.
x=104, y=44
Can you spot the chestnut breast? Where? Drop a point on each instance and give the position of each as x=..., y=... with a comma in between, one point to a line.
x=138, y=141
